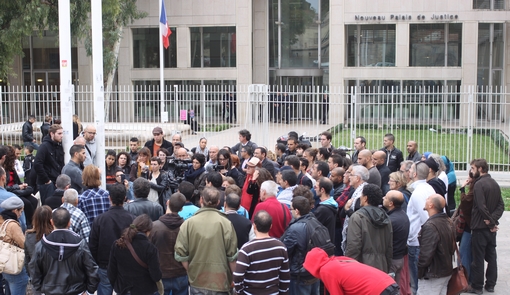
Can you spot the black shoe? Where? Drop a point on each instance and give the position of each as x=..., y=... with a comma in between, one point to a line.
x=473, y=291
x=489, y=289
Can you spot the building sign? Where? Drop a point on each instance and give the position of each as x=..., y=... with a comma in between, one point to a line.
x=408, y=17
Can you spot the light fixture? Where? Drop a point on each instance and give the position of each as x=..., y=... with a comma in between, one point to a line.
x=39, y=80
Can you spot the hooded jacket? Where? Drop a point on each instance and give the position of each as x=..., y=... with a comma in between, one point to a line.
x=370, y=238
x=49, y=161
x=325, y=212
x=344, y=276
x=164, y=235
x=296, y=240
x=62, y=264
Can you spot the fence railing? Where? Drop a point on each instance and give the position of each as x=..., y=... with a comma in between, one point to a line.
x=459, y=122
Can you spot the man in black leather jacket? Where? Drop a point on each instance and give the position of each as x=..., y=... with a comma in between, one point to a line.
x=141, y=205
x=62, y=263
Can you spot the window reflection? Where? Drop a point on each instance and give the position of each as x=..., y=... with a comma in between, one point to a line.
x=213, y=47
x=430, y=42
x=371, y=45
x=146, y=48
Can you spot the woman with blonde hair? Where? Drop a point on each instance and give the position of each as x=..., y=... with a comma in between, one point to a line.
x=398, y=182
x=41, y=225
x=141, y=167
x=77, y=127
x=134, y=263
x=13, y=208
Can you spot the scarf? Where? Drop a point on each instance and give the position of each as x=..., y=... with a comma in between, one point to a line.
x=8, y=214
x=204, y=152
x=191, y=174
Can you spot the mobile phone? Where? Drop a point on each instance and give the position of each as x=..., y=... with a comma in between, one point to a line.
x=122, y=178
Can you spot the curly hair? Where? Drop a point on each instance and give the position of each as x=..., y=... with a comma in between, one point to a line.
x=9, y=159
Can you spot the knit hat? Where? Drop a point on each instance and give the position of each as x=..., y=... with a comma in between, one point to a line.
x=12, y=203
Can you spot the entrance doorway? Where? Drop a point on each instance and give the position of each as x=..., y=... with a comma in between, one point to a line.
x=304, y=92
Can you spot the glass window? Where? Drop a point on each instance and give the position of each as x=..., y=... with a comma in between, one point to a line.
x=46, y=52
x=490, y=54
x=370, y=45
x=488, y=4
x=146, y=48
x=435, y=45
x=213, y=47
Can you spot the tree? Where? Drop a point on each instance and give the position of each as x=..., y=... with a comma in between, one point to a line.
x=19, y=18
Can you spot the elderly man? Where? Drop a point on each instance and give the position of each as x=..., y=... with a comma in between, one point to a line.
x=90, y=144
x=213, y=158
x=279, y=213
x=79, y=222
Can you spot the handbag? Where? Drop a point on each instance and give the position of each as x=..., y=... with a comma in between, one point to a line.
x=459, y=223
x=12, y=258
x=458, y=281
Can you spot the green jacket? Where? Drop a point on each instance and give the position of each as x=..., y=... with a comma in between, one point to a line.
x=208, y=242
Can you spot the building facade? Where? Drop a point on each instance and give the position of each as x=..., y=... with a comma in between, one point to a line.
x=394, y=45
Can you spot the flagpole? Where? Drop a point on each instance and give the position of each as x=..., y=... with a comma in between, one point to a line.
x=161, y=70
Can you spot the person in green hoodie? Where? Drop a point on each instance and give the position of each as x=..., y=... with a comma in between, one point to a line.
x=370, y=234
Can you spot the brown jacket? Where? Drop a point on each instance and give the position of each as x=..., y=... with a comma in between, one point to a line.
x=436, y=247
x=13, y=233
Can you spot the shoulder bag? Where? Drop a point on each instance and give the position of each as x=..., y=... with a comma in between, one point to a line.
x=458, y=281
x=12, y=258
x=144, y=265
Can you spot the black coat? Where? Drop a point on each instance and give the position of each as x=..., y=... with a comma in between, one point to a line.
x=49, y=161
x=126, y=275
x=242, y=226
x=166, y=144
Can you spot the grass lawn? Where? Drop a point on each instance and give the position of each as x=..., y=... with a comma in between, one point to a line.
x=454, y=146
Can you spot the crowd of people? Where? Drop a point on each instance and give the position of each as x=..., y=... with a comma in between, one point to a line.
x=244, y=219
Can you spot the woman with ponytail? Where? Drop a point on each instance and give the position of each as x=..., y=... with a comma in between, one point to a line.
x=134, y=263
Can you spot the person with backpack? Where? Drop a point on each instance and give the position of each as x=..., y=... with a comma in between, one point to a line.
x=304, y=233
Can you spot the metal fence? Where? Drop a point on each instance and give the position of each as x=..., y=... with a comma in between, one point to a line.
x=461, y=122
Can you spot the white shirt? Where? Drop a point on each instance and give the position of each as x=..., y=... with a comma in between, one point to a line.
x=418, y=216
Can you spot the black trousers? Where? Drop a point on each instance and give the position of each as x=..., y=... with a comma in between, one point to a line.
x=483, y=248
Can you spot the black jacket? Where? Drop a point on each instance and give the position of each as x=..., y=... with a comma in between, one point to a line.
x=487, y=203
x=393, y=158
x=45, y=129
x=436, y=247
x=295, y=239
x=166, y=144
x=27, y=132
x=242, y=226
x=126, y=275
x=107, y=228
x=400, y=226
x=326, y=214
x=62, y=264
x=143, y=206
x=49, y=161
x=55, y=200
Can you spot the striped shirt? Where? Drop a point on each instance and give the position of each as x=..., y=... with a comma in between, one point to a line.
x=262, y=268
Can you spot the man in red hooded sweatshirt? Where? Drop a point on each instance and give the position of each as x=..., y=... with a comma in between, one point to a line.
x=345, y=276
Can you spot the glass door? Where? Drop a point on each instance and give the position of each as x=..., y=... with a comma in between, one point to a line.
x=303, y=96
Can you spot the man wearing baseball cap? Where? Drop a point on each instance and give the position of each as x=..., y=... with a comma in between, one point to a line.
x=158, y=142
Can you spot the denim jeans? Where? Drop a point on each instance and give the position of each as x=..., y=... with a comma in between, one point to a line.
x=17, y=283
x=104, y=287
x=31, y=143
x=176, y=286
x=413, y=253
x=198, y=291
x=465, y=252
x=298, y=287
x=46, y=191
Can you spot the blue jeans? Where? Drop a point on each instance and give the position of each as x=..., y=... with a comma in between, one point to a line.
x=413, y=253
x=465, y=252
x=17, y=283
x=176, y=286
x=298, y=287
x=30, y=143
x=104, y=287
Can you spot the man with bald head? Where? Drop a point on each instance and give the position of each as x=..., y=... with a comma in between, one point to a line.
x=392, y=202
x=213, y=158
x=436, y=248
x=89, y=134
x=412, y=149
x=365, y=159
x=182, y=154
x=378, y=160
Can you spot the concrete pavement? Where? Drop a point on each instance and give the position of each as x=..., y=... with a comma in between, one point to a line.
x=503, y=249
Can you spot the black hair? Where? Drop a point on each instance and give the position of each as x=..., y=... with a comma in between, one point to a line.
x=117, y=193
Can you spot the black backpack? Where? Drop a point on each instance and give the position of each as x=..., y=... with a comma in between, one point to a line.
x=318, y=236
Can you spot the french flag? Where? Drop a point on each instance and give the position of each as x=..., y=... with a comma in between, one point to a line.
x=165, y=30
